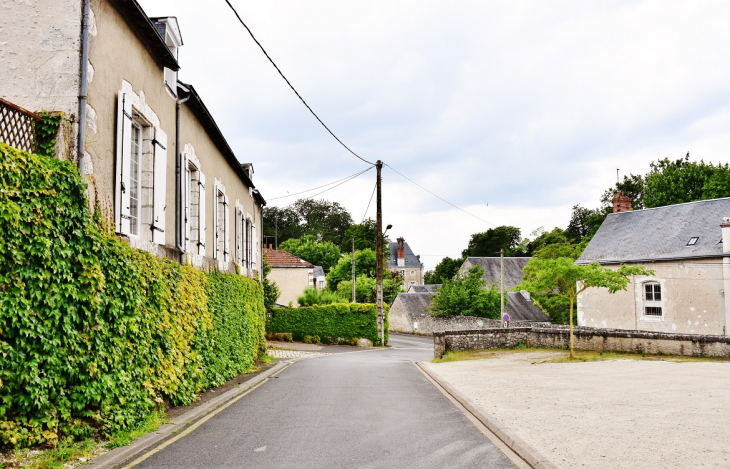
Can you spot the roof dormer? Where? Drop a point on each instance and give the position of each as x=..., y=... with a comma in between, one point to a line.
x=169, y=31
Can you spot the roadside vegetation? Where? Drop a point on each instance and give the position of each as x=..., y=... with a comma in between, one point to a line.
x=553, y=355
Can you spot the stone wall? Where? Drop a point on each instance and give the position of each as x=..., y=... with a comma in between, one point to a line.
x=585, y=338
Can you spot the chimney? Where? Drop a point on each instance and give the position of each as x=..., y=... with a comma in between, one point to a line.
x=725, y=225
x=621, y=203
x=401, y=252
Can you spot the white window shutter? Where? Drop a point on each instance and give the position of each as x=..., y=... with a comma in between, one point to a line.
x=236, y=233
x=215, y=221
x=254, y=244
x=244, y=240
x=160, y=187
x=201, y=216
x=123, y=156
x=227, y=231
x=185, y=184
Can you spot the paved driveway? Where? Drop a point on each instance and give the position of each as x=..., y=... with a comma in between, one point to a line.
x=365, y=409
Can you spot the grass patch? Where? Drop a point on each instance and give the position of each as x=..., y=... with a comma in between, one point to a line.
x=152, y=423
x=458, y=356
x=58, y=457
x=266, y=359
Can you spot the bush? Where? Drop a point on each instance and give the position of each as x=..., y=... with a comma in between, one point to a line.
x=95, y=334
x=312, y=297
x=343, y=342
x=337, y=320
x=311, y=339
x=467, y=295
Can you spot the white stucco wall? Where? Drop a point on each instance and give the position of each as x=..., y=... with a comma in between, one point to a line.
x=693, y=300
x=40, y=45
x=292, y=281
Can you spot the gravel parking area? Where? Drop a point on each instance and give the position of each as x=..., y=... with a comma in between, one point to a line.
x=605, y=414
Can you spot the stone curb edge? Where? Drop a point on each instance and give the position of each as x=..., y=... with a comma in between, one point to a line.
x=119, y=455
x=515, y=443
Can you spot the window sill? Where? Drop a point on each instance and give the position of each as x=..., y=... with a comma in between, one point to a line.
x=652, y=318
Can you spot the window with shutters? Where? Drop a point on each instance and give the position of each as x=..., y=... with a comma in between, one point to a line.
x=221, y=223
x=141, y=166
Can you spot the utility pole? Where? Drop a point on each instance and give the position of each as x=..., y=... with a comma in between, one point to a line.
x=353, y=270
x=276, y=233
x=501, y=281
x=379, y=255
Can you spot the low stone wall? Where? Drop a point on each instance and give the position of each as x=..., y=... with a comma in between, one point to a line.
x=585, y=338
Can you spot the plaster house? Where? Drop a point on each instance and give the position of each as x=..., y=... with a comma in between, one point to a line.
x=156, y=163
x=291, y=274
x=513, y=267
x=320, y=279
x=688, y=248
x=403, y=261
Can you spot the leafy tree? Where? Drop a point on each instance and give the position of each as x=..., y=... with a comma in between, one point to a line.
x=544, y=238
x=365, y=288
x=445, y=270
x=324, y=254
x=364, y=235
x=562, y=277
x=427, y=276
x=633, y=186
x=326, y=221
x=682, y=180
x=364, y=265
x=489, y=243
x=282, y=223
x=467, y=295
x=312, y=296
x=271, y=289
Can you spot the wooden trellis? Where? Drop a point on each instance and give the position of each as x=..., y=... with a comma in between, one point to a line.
x=17, y=127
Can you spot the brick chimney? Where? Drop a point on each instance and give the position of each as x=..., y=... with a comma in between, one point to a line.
x=621, y=203
x=401, y=252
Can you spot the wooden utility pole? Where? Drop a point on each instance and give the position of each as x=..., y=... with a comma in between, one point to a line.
x=501, y=282
x=379, y=255
x=353, y=270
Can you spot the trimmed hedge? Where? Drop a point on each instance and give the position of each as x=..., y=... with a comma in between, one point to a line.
x=344, y=320
x=94, y=335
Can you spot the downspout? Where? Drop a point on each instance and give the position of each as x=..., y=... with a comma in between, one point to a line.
x=178, y=172
x=83, y=84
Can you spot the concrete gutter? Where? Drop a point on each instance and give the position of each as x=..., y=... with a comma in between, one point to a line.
x=122, y=454
x=513, y=442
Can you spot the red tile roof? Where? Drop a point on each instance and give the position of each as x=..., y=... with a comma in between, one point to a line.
x=279, y=258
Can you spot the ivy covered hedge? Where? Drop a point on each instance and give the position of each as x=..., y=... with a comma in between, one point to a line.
x=95, y=335
x=344, y=320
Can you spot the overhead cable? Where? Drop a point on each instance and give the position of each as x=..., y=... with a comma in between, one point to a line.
x=438, y=197
x=348, y=179
x=371, y=201
x=318, y=187
x=292, y=87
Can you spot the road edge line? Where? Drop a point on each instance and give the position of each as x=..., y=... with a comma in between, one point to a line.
x=201, y=413
x=524, y=451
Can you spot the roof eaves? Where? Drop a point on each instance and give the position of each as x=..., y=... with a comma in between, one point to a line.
x=652, y=259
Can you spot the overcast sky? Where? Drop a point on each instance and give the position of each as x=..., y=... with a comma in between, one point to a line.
x=514, y=111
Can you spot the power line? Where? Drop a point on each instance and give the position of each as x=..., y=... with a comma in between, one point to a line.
x=292, y=87
x=371, y=201
x=438, y=197
x=350, y=178
x=318, y=187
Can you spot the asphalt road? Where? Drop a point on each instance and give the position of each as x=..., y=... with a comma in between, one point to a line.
x=365, y=409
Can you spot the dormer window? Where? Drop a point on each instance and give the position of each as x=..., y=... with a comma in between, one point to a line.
x=692, y=241
x=170, y=33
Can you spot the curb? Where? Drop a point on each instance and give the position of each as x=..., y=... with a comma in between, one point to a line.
x=515, y=443
x=119, y=455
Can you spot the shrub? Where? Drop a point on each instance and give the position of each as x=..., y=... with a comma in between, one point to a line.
x=311, y=339
x=336, y=320
x=343, y=342
x=312, y=297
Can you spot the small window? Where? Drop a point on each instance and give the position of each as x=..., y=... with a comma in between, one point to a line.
x=653, y=300
x=693, y=241
x=402, y=273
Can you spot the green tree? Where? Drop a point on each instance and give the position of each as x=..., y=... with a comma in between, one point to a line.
x=312, y=296
x=564, y=278
x=489, y=243
x=364, y=235
x=364, y=265
x=682, y=180
x=633, y=186
x=365, y=288
x=445, y=270
x=326, y=221
x=281, y=224
x=271, y=289
x=467, y=295
x=544, y=238
x=324, y=254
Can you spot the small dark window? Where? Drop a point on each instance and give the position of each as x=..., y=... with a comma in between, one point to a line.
x=653, y=311
x=693, y=241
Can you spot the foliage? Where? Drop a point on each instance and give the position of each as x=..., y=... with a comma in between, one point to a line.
x=561, y=276
x=676, y=182
x=445, y=270
x=324, y=254
x=336, y=321
x=46, y=130
x=326, y=221
x=544, y=238
x=95, y=334
x=364, y=234
x=364, y=265
x=312, y=297
x=488, y=243
x=467, y=295
x=365, y=288
x=271, y=289
x=632, y=186
x=281, y=224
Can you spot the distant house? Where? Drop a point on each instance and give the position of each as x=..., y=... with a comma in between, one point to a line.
x=291, y=274
x=320, y=280
x=403, y=261
x=422, y=288
x=688, y=247
x=513, y=267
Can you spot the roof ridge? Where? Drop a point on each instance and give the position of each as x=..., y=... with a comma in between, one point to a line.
x=671, y=205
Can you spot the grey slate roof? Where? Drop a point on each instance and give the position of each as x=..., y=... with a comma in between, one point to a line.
x=423, y=288
x=415, y=303
x=659, y=233
x=318, y=271
x=520, y=308
x=411, y=259
x=513, y=267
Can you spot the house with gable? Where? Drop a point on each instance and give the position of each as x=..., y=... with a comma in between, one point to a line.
x=688, y=248
x=403, y=261
x=155, y=161
x=291, y=274
x=513, y=269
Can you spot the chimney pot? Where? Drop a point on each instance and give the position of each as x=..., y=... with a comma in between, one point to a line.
x=621, y=203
